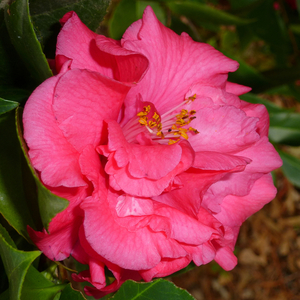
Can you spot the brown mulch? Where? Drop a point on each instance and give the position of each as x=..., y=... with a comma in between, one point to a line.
x=268, y=251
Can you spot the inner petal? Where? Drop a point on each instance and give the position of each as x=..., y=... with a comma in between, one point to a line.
x=133, y=206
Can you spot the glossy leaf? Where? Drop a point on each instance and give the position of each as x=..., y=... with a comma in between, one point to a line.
x=36, y=286
x=5, y=295
x=16, y=263
x=49, y=204
x=291, y=167
x=13, y=206
x=157, y=290
x=46, y=15
x=70, y=293
x=13, y=75
x=7, y=105
x=124, y=15
x=285, y=128
x=14, y=93
x=23, y=38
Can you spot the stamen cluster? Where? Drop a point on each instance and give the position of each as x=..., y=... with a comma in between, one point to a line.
x=172, y=129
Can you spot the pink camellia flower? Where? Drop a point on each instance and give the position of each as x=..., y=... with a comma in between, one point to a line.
x=160, y=160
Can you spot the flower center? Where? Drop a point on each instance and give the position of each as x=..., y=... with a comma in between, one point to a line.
x=168, y=128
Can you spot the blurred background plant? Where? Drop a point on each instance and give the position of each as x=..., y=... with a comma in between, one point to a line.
x=262, y=35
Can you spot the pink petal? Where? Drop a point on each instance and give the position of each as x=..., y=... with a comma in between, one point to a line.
x=235, y=210
x=133, y=206
x=264, y=160
x=49, y=151
x=263, y=155
x=202, y=254
x=82, y=100
x=75, y=46
x=165, y=268
x=143, y=171
x=219, y=161
x=91, y=166
x=196, y=182
x=184, y=228
x=64, y=227
x=94, y=52
x=105, y=236
x=226, y=259
x=225, y=129
x=217, y=95
x=237, y=89
x=127, y=66
x=176, y=63
x=58, y=244
x=257, y=111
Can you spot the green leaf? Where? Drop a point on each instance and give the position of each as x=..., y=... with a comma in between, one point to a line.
x=5, y=295
x=68, y=293
x=23, y=38
x=285, y=128
x=7, y=105
x=13, y=73
x=49, y=204
x=129, y=11
x=249, y=76
x=13, y=204
x=291, y=167
x=14, y=93
x=46, y=15
x=16, y=263
x=124, y=15
x=36, y=286
x=157, y=290
x=203, y=14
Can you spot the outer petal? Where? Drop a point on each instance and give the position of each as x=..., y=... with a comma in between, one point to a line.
x=257, y=111
x=226, y=259
x=165, y=268
x=59, y=244
x=63, y=228
x=118, y=245
x=237, y=89
x=225, y=129
x=264, y=160
x=74, y=42
x=96, y=273
x=49, y=151
x=235, y=210
x=176, y=63
x=97, y=53
x=82, y=100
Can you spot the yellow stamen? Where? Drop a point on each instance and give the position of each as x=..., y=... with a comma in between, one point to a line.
x=171, y=142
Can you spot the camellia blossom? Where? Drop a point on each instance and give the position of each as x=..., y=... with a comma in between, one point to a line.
x=159, y=158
